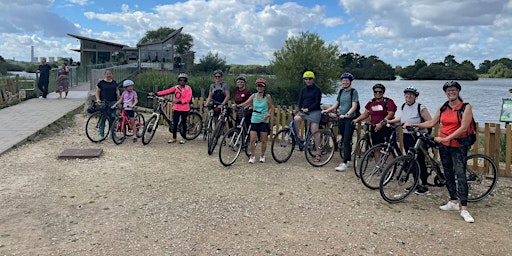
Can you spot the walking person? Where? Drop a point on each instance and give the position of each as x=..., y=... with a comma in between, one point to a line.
x=129, y=99
x=181, y=107
x=414, y=113
x=453, y=154
x=346, y=104
x=263, y=110
x=62, y=82
x=44, y=77
x=107, y=92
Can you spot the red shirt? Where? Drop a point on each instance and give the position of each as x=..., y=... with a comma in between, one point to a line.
x=450, y=123
x=377, y=110
x=242, y=96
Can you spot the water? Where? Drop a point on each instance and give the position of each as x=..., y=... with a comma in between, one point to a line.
x=485, y=95
x=23, y=74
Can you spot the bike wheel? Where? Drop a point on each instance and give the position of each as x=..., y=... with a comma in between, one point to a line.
x=139, y=125
x=119, y=131
x=327, y=146
x=194, y=126
x=94, y=129
x=149, y=130
x=282, y=145
x=217, y=132
x=481, y=176
x=399, y=179
x=230, y=146
x=373, y=163
x=362, y=146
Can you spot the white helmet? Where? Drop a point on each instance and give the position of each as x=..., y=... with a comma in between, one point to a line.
x=127, y=83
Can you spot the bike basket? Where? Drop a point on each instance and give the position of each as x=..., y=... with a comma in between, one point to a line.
x=95, y=106
x=325, y=119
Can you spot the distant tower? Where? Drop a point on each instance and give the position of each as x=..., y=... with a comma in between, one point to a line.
x=32, y=53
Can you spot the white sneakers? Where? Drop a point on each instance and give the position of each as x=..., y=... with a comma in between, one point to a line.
x=253, y=158
x=262, y=159
x=455, y=207
x=343, y=166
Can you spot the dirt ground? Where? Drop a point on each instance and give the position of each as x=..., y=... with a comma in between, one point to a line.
x=171, y=199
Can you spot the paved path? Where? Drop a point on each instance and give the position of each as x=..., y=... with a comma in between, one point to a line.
x=23, y=120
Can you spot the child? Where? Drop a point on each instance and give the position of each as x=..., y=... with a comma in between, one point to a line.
x=129, y=100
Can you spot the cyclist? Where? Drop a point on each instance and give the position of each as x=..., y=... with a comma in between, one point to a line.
x=452, y=153
x=347, y=102
x=181, y=107
x=263, y=110
x=106, y=90
x=414, y=113
x=129, y=100
x=219, y=91
x=309, y=106
x=242, y=93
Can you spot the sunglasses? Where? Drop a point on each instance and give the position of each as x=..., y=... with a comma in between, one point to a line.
x=182, y=80
x=218, y=76
x=260, y=85
x=378, y=91
x=307, y=78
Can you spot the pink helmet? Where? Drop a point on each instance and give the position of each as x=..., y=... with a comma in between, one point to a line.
x=261, y=81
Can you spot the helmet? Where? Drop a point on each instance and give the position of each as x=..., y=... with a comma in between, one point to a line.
x=348, y=76
x=451, y=84
x=381, y=86
x=127, y=83
x=261, y=81
x=183, y=75
x=241, y=77
x=412, y=89
x=218, y=71
x=308, y=74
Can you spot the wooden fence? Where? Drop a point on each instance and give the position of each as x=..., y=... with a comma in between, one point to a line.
x=489, y=137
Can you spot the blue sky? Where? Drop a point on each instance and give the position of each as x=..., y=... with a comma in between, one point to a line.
x=249, y=31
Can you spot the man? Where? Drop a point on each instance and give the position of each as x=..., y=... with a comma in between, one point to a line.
x=44, y=77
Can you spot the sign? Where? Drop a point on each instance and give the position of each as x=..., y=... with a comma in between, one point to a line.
x=506, y=111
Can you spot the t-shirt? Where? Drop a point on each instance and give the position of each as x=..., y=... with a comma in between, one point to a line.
x=44, y=72
x=346, y=102
x=108, y=90
x=410, y=115
x=128, y=99
x=242, y=95
x=377, y=110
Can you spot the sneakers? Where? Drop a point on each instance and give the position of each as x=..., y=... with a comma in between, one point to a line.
x=172, y=141
x=422, y=190
x=466, y=216
x=342, y=167
x=349, y=163
x=251, y=159
x=134, y=139
x=262, y=159
x=450, y=207
x=182, y=142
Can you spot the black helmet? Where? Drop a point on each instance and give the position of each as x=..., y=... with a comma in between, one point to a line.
x=218, y=71
x=381, y=86
x=451, y=84
x=348, y=76
x=412, y=89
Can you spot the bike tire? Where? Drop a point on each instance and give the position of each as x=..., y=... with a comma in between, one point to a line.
x=481, y=176
x=371, y=168
x=362, y=146
x=327, y=148
x=399, y=179
x=150, y=130
x=282, y=145
x=119, y=131
x=217, y=132
x=194, y=126
x=231, y=146
x=92, y=127
x=139, y=125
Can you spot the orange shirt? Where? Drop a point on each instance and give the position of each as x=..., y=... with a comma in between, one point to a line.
x=450, y=123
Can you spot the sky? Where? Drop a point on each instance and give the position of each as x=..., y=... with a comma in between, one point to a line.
x=398, y=32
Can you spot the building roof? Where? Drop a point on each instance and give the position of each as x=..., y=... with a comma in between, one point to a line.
x=97, y=41
x=169, y=37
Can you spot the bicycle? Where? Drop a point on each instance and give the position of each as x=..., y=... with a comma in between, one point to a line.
x=363, y=144
x=98, y=125
x=209, y=123
x=235, y=140
x=328, y=143
x=285, y=139
x=401, y=176
x=377, y=158
x=193, y=127
x=121, y=124
x=225, y=117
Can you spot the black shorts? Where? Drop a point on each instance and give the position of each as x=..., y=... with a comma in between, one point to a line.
x=260, y=127
x=130, y=113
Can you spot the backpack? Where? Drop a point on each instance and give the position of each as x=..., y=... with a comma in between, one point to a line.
x=471, y=132
x=429, y=130
x=358, y=108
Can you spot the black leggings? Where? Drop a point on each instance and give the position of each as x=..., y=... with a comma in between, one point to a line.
x=175, y=119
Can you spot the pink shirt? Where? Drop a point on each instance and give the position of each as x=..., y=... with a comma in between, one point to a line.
x=182, y=97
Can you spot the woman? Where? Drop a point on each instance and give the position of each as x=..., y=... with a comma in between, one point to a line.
x=62, y=81
x=242, y=93
x=263, y=109
x=347, y=101
x=108, y=92
x=452, y=153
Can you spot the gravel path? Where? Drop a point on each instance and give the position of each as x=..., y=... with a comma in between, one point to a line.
x=164, y=199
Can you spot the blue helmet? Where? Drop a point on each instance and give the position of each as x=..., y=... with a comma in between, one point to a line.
x=347, y=76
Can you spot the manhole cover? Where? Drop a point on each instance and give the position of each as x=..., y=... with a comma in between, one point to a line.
x=81, y=152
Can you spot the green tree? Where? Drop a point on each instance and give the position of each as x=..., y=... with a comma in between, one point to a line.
x=211, y=62
x=306, y=51
x=484, y=67
x=500, y=70
x=450, y=61
x=184, y=42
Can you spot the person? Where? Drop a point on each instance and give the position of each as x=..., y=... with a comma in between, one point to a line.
x=62, y=81
x=379, y=109
x=44, y=77
x=242, y=93
x=414, y=113
x=181, y=107
x=219, y=91
x=108, y=93
x=129, y=99
x=263, y=110
x=452, y=153
x=309, y=106
x=346, y=103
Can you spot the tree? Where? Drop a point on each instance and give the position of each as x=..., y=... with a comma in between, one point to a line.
x=184, y=42
x=211, y=62
x=3, y=66
x=306, y=51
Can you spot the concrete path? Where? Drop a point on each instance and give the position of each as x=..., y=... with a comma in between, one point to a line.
x=23, y=120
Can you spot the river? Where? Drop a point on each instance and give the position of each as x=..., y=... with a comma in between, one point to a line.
x=485, y=95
